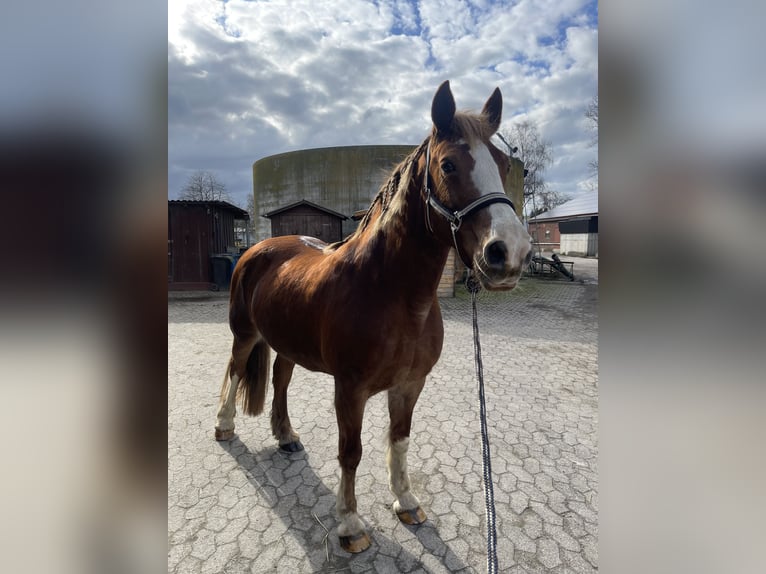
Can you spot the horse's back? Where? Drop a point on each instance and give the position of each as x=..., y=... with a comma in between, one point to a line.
x=265, y=257
x=271, y=264
x=283, y=248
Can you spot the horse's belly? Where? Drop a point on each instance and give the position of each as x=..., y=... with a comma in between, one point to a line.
x=295, y=340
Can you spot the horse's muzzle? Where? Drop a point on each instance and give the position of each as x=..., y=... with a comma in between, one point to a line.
x=499, y=267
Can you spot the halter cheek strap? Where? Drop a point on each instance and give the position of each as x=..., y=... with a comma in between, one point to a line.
x=455, y=218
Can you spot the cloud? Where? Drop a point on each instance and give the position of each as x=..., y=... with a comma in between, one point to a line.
x=250, y=79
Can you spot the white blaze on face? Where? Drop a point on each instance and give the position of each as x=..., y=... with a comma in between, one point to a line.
x=485, y=175
x=487, y=180
x=505, y=225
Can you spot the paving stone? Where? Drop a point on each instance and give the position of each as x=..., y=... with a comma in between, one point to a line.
x=238, y=565
x=573, y=525
x=243, y=506
x=590, y=549
x=177, y=553
x=545, y=512
x=548, y=553
x=222, y=555
x=231, y=531
x=465, y=514
x=532, y=523
x=519, y=501
x=268, y=558
x=561, y=536
x=577, y=562
x=520, y=540
x=189, y=565
x=584, y=510
x=534, y=493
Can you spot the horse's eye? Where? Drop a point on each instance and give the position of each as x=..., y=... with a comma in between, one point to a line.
x=448, y=166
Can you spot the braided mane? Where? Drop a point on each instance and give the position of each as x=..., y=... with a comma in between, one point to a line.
x=397, y=183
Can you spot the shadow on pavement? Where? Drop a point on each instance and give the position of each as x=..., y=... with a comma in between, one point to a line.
x=273, y=474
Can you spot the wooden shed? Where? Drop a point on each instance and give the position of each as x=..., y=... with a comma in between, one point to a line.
x=197, y=231
x=306, y=218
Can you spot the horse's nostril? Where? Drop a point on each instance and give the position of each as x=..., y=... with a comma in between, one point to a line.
x=496, y=253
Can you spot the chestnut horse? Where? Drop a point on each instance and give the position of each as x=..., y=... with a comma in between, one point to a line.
x=365, y=309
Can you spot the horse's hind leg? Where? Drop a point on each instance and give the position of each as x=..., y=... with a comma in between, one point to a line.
x=280, y=421
x=401, y=402
x=235, y=372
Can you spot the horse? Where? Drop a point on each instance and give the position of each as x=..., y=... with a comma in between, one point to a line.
x=365, y=309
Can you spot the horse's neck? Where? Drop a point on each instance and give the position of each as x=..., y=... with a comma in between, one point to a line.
x=410, y=252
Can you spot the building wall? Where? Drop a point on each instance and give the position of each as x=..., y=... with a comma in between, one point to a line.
x=514, y=184
x=582, y=224
x=305, y=220
x=196, y=231
x=447, y=282
x=223, y=231
x=546, y=235
x=190, y=233
x=579, y=244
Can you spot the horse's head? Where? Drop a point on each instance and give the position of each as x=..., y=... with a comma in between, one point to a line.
x=466, y=203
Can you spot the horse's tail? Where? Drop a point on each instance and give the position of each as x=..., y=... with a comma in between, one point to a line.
x=252, y=389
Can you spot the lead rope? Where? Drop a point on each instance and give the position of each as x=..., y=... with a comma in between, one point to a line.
x=473, y=286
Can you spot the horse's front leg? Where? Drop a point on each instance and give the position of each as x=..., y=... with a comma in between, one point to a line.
x=401, y=403
x=349, y=409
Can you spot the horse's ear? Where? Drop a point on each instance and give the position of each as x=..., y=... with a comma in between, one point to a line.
x=443, y=108
x=493, y=109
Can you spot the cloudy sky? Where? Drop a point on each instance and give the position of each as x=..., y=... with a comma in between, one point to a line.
x=248, y=79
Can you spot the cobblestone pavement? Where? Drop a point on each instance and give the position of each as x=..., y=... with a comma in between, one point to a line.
x=244, y=506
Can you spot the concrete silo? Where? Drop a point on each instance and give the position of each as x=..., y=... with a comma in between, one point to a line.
x=342, y=179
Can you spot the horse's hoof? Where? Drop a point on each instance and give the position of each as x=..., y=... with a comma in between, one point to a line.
x=224, y=434
x=294, y=446
x=412, y=517
x=355, y=544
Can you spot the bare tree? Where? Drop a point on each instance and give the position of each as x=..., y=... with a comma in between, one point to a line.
x=545, y=200
x=204, y=186
x=523, y=139
x=592, y=114
x=251, y=210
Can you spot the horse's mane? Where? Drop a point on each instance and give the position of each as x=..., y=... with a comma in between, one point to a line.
x=397, y=183
x=469, y=126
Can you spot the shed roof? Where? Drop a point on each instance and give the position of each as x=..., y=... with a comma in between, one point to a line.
x=225, y=205
x=307, y=203
x=584, y=204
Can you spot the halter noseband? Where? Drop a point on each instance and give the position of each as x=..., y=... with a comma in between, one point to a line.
x=455, y=218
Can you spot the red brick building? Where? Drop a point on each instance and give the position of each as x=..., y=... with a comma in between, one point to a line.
x=570, y=228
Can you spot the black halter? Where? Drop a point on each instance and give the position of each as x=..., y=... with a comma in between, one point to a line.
x=455, y=218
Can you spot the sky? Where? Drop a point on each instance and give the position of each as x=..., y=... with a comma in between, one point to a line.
x=249, y=79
